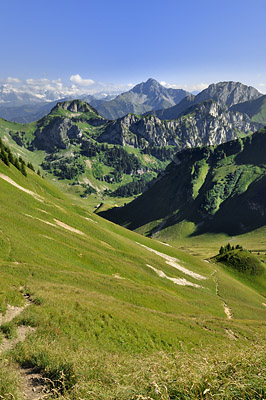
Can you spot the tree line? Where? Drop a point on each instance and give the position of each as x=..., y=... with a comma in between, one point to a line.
x=8, y=158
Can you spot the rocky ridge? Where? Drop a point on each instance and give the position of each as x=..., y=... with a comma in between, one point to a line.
x=225, y=93
x=205, y=124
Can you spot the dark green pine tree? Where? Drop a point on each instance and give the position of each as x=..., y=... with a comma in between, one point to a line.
x=4, y=156
x=17, y=164
x=23, y=169
x=10, y=156
x=221, y=251
x=30, y=166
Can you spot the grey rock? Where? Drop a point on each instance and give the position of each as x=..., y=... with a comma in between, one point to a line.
x=225, y=93
x=206, y=124
x=56, y=135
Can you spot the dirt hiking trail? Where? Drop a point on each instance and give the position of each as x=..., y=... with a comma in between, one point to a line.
x=33, y=384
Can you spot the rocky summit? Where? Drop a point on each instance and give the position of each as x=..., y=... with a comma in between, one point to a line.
x=144, y=97
x=225, y=93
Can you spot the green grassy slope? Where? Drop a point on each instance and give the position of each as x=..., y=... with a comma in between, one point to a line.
x=102, y=316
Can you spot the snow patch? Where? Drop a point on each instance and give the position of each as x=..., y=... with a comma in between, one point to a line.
x=9, y=180
x=177, y=281
x=173, y=262
x=68, y=227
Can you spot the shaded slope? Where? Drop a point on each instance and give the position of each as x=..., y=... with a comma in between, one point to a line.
x=220, y=189
x=255, y=109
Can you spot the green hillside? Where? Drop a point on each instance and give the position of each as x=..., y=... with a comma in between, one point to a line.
x=64, y=146
x=112, y=314
x=217, y=189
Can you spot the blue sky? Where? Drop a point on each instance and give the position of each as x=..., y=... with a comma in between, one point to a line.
x=115, y=43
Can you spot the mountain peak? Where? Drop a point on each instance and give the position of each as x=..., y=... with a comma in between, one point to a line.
x=150, y=85
x=75, y=106
x=229, y=93
x=152, y=81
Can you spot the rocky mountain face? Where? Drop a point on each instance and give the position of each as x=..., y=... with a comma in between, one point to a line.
x=56, y=134
x=219, y=189
x=225, y=93
x=205, y=124
x=228, y=93
x=56, y=130
x=144, y=97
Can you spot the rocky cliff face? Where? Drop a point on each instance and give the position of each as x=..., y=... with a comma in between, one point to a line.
x=205, y=124
x=56, y=134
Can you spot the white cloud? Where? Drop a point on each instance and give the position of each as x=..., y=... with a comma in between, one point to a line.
x=10, y=79
x=199, y=86
x=190, y=88
x=261, y=87
x=44, y=89
x=78, y=80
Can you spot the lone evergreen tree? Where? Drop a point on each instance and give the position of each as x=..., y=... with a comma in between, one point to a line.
x=221, y=251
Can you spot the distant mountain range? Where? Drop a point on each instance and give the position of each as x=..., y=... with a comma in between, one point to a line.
x=81, y=144
x=145, y=98
x=23, y=107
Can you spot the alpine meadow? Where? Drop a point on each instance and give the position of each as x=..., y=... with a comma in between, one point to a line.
x=132, y=215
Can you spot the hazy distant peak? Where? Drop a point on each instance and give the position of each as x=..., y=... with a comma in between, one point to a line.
x=229, y=93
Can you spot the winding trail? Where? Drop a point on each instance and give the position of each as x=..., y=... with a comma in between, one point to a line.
x=227, y=310
x=34, y=387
